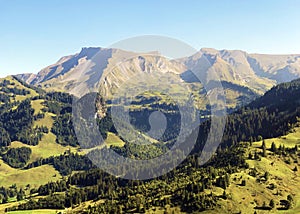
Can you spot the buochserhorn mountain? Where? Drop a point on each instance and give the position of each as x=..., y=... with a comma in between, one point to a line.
x=244, y=76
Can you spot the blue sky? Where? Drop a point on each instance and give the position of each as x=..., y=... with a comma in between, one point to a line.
x=34, y=34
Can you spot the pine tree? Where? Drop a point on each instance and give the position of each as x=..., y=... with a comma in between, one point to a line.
x=250, y=156
x=256, y=156
x=20, y=195
x=272, y=203
x=224, y=195
x=273, y=147
x=290, y=198
x=264, y=152
x=267, y=175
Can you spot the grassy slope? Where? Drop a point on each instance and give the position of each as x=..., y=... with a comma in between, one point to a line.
x=20, y=86
x=34, y=176
x=113, y=140
x=47, y=146
x=37, y=105
x=245, y=198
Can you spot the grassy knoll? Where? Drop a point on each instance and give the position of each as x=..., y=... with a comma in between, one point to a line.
x=34, y=177
x=47, y=147
x=113, y=140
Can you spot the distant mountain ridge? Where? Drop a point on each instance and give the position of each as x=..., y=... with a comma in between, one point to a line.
x=105, y=69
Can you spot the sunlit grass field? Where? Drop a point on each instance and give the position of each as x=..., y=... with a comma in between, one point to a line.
x=244, y=198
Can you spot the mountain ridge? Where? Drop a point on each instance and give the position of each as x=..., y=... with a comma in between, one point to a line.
x=264, y=65
x=105, y=70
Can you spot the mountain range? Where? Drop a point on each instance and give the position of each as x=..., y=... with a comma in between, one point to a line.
x=244, y=76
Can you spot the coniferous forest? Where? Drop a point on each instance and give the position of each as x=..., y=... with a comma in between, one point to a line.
x=188, y=187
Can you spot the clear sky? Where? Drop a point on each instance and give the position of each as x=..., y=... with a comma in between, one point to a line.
x=36, y=33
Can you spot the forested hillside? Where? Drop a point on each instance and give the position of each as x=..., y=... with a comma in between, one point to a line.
x=265, y=133
x=28, y=117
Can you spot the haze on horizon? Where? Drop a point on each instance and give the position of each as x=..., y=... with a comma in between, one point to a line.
x=36, y=34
